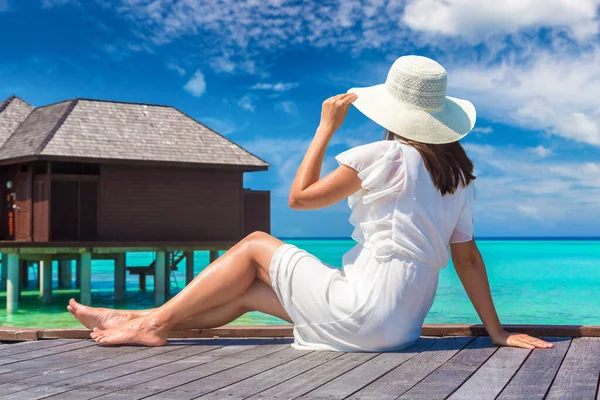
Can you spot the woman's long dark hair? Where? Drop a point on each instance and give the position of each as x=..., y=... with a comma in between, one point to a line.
x=448, y=164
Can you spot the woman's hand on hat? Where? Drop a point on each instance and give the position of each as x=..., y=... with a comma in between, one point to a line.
x=520, y=340
x=334, y=111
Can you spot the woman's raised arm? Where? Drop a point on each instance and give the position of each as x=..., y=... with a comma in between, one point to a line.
x=308, y=191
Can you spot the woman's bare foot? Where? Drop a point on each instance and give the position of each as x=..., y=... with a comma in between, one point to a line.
x=142, y=331
x=95, y=317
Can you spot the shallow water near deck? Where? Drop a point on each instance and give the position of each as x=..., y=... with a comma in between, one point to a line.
x=533, y=282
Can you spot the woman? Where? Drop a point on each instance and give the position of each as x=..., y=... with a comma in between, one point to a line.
x=411, y=195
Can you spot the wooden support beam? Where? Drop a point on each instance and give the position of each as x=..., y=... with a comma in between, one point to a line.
x=160, y=273
x=65, y=271
x=213, y=255
x=120, y=277
x=189, y=266
x=12, y=283
x=46, y=279
x=86, y=278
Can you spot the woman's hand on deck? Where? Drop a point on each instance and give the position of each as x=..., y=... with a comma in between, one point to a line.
x=520, y=340
x=334, y=111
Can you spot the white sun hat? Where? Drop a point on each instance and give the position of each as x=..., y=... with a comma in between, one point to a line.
x=412, y=103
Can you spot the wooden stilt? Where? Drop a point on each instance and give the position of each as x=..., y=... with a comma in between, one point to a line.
x=78, y=274
x=120, y=275
x=86, y=278
x=3, y=272
x=189, y=266
x=46, y=279
x=12, y=283
x=160, y=269
x=24, y=274
x=65, y=270
x=213, y=255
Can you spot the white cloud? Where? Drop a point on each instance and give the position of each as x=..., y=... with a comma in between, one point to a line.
x=484, y=130
x=247, y=103
x=177, y=68
x=222, y=126
x=276, y=87
x=514, y=181
x=197, y=85
x=553, y=90
x=289, y=107
x=541, y=151
x=480, y=19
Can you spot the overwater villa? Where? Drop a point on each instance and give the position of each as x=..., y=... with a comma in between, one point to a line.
x=87, y=179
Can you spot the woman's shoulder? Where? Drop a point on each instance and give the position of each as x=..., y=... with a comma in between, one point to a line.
x=366, y=154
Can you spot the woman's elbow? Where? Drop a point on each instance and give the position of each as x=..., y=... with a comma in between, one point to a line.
x=294, y=203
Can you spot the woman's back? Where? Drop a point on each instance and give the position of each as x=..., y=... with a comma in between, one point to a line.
x=399, y=210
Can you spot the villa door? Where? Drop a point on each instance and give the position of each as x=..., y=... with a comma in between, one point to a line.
x=22, y=207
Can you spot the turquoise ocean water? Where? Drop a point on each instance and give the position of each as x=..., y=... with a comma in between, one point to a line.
x=533, y=282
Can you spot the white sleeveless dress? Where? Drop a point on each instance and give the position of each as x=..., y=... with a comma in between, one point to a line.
x=378, y=300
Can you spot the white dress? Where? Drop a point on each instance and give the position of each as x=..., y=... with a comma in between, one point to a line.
x=378, y=300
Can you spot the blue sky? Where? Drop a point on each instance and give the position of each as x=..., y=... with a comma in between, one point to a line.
x=258, y=71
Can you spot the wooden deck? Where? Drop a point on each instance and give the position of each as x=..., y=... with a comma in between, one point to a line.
x=463, y=367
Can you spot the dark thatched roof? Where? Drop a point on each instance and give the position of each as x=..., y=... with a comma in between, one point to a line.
x=95, y=129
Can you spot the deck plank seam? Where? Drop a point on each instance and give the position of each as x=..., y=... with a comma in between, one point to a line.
x=234, y=341
x=292, y=377
x=375, y=355
x=558, y=369
x=473, y=373
x=437, y=339
x=214, y=373
x=70, y=366
x=172, y=373
x=219, y=372
x=75, y=387
x=42, y=356
x=155, y=366
x=33, y=348
x=252, y=376
x=515, y=373
x=438, y=367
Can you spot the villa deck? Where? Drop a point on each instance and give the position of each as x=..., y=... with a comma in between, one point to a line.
x=463, y=367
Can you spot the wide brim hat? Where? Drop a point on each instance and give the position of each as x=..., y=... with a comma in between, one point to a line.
x=412, y=103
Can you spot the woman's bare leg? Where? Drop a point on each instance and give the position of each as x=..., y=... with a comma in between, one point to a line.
x=220, y=283
x=259, y=297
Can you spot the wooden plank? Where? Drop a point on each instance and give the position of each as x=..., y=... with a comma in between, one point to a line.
x=577, y=376
x=359, y=377
x=74, y=345
x=401, y=379
x=45, y=365
x=312, y=379
x=198, y=387
x=22, y=347
x=490, y=379
x=73, y=378
x=211, y=363
x=159, y=366
x=272, y=377
x=533, y=379
x=446, y=379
